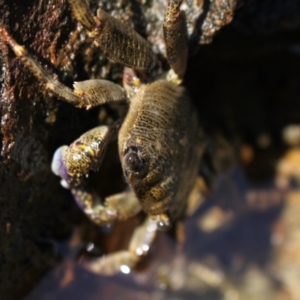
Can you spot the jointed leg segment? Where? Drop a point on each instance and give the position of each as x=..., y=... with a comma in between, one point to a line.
x=119, y=41
x=176, y=37
x=86, y=94
x=139, y=246
x=116, y=207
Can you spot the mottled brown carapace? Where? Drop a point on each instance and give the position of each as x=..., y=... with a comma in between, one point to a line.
x=162, y=126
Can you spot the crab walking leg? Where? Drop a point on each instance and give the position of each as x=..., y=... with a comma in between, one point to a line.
x=51, y=82
x=123, y=261
x=119, y=41
x=176, y=37
x=86, y=94
x=116, y=207
x=95, y=92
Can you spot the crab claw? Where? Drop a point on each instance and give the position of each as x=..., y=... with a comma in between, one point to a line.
x=59, y=168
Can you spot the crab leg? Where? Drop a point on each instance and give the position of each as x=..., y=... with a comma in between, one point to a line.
x=123, y=261
x=116, y=207
x=119, y=41
x=87, y=93
x=176, y=37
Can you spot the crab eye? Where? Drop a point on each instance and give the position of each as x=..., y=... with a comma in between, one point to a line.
x=132, y=161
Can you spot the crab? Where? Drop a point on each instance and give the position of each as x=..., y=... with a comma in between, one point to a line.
x=160, y=143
